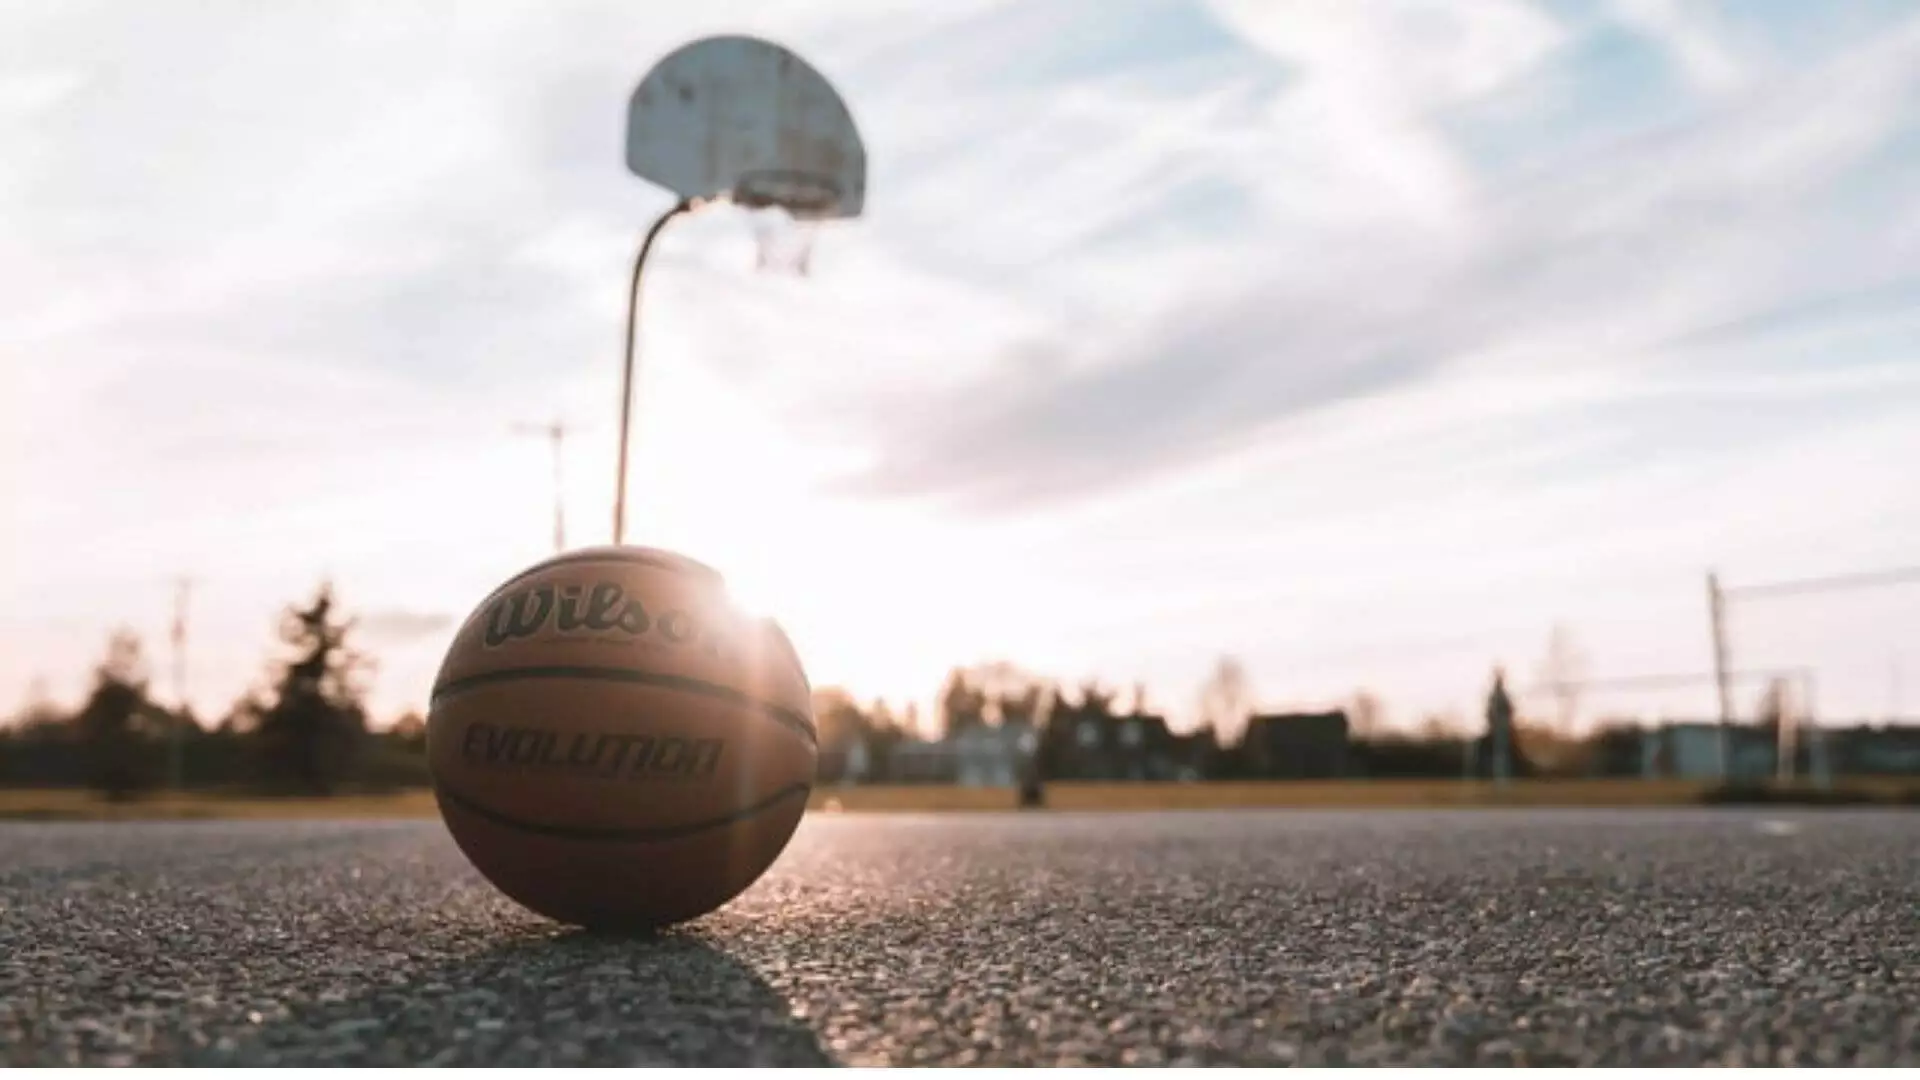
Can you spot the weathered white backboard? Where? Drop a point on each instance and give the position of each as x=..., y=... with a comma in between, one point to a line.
x=739, y=118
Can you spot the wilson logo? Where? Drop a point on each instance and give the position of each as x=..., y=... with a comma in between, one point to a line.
x=605, y=756
x=602, y=608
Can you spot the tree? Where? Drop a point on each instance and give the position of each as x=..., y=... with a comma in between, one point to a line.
x=39, y=717
x=1500, y=728
x=1444, y=726
x=1543, y=751
x=1027, y=707
x=1561, y=671
x=1060, y=753
x=1096, y=701
x=1226, y=699
x=839, y=718
x=1009, y=693
x=310, y=733
x=884, y=733
x=962, y=705
x=1366, y=716
x=113, y=722
x=996, y=677
x=409, y=732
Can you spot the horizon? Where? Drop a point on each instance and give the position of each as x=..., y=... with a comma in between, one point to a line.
x=1365, y=346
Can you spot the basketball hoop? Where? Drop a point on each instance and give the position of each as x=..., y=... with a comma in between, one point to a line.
x=739, y=119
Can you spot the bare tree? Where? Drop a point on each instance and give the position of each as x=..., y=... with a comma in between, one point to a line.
x=1442, y=726
x=1009, y=692
x=1226, y=699
x=838, y=718
x=1366, y=715
x=1561, y=671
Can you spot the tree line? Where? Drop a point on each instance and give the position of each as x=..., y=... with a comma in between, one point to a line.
x=305, y=729
x=1220, y=744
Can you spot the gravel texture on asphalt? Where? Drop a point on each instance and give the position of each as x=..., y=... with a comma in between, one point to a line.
x=1371, y=937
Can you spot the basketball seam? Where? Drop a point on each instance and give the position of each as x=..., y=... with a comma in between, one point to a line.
x=618, y=834
x=780, y=714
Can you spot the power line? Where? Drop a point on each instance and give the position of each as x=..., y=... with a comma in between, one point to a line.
x=1665, y=681
x=1867, y=580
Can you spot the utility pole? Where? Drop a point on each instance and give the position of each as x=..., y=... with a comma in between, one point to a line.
x=176, y=733
x=1717, y=613
x=556, y=433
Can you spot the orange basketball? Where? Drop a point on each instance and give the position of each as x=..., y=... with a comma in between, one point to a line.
x=614, y=744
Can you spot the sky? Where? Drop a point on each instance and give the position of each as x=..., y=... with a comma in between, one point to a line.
x=1365, y=343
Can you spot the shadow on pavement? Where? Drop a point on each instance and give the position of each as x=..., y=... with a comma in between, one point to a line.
x=547, y=997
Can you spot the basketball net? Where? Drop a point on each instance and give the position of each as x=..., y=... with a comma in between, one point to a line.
x=783, y=243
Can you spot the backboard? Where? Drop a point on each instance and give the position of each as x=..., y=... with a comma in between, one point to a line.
x=739, y=118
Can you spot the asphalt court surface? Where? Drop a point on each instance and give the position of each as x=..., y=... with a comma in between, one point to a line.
x=1253, y=937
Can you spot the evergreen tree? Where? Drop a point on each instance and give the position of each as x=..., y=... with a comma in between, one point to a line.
x=310, y=733
x=114, y=721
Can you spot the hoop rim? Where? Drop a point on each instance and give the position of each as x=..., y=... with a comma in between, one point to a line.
x=802, y=194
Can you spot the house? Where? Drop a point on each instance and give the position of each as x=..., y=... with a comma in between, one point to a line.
x=992, y=756
x=1863, y=750
x=1691, y=750
x=982, y=755
x=1093, y=744
x=1296, y=745
x=918, y=761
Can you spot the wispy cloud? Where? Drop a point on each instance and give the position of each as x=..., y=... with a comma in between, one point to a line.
x=1727, y=218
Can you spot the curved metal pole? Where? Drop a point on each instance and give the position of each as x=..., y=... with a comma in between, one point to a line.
x=626, y=379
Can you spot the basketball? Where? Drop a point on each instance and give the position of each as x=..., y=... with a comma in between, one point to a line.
x=614, y=744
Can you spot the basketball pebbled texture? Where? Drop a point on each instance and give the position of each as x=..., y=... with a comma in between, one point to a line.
x=613, y=744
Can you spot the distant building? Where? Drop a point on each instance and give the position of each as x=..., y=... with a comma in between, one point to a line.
x=991, y=756
x=859, y=762
x=916, y=761
x=1297, y=745
x=1862, y=750
x=978, y=756
x=1691, y=750
x=1086, y=744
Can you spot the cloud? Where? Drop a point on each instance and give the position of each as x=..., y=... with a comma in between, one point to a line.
x=1198, y=384
x=1691, y=34
x=1735, y=216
